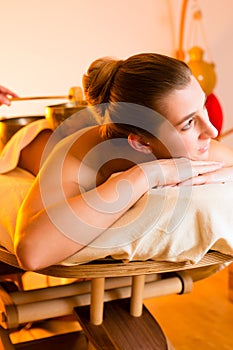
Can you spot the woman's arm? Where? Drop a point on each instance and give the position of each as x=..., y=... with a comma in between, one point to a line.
x=56, y=220
x=45, y=236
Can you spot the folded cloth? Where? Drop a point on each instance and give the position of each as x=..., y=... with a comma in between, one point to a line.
x=14, y=186
x=168, y=224
x=10, y=154
x=15, y=182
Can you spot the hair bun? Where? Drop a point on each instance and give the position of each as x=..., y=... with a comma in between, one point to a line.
x=98, y=80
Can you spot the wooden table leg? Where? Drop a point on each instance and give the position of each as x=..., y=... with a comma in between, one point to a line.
x=97, y=301
x=97, y=304
x=136, y=303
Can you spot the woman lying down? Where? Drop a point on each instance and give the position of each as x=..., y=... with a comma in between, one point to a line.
x=145, y=158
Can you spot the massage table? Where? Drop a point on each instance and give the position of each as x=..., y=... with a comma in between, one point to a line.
x=108, y=301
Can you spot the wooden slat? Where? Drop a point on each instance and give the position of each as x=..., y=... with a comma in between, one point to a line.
x=115, y=268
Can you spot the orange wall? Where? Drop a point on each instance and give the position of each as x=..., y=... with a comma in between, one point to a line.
x=46, y=45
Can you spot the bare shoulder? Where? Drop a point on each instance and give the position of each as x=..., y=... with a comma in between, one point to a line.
x=220, y=152
x=69, y=163
x=59, y=177
x=31, y=155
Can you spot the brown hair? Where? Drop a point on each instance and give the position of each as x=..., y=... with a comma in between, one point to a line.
x=143, y=79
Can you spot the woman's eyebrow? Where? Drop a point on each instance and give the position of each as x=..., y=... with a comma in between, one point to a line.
x=191, y=114
x=186, y=118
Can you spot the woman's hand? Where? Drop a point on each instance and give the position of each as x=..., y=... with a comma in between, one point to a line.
x=219, y=176
x=4, y=96
x=180, y=171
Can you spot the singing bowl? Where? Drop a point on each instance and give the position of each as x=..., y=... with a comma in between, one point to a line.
x=9, y=126
x=56, y=114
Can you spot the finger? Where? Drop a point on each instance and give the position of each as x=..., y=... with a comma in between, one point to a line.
x=12, y=94
x=194, y=168
x=198, y=180
x=202, y=180
x=4, y=100
x=188, y=169
x=6, y=91
x=187, y=161
x=199, y=170
x=204, y=162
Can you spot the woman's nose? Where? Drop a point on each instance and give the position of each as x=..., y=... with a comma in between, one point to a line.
x=208, y=130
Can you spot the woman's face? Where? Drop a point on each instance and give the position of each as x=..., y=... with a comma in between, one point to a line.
x=186, y=112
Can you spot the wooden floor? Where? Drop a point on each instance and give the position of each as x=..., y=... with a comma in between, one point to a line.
x=201, y=320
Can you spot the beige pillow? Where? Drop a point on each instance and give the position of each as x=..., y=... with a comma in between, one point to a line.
x=170, y=224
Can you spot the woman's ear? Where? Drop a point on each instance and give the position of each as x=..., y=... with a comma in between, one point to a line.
x=139, y=143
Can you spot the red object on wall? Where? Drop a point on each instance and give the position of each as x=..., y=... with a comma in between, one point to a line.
x=215, y=112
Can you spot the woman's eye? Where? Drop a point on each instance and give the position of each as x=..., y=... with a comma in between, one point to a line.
x=188, y=124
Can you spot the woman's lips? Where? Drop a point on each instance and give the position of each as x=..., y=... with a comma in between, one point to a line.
x=204, y=149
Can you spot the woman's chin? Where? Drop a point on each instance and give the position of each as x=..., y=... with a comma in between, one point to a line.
x=202, y=156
